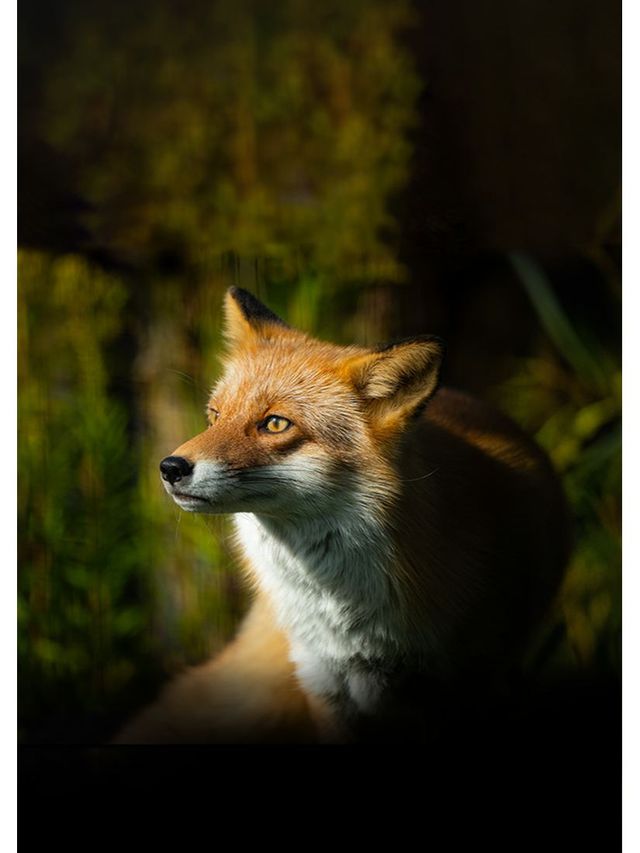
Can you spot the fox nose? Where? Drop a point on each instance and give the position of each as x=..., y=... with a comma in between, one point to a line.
x=174, y=468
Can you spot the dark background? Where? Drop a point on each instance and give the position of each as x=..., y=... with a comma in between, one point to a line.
x=371, y=170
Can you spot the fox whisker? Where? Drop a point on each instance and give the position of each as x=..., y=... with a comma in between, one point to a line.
x=424, y=476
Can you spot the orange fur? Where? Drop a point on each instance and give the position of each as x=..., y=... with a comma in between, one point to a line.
x=468, y=508
x=247, y=694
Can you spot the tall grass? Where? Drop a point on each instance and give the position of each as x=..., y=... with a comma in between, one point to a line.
x=569, y=394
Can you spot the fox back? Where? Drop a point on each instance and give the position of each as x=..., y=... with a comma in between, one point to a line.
x=391, y=530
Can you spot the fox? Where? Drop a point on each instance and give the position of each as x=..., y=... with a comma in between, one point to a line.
x=398, y=537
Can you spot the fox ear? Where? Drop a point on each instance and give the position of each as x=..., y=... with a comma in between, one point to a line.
x=396, y=380
x=246, y=316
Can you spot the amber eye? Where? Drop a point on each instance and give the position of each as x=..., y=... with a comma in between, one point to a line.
x=274, y=424
x=213, y=414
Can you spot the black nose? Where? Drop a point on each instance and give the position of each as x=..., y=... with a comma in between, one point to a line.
x=174, y=468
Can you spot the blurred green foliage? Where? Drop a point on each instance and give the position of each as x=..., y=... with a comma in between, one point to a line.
x=78, y=548
x=569, y=395
x=256, y=144
x=272, y=130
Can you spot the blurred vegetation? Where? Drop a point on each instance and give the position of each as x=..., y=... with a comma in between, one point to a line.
x=256, y=144
x=569, y=395
x=255, y=128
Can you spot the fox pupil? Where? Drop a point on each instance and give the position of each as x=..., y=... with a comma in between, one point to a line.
x=275, y=423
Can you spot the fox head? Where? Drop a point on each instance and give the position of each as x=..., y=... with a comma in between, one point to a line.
x=296, y=424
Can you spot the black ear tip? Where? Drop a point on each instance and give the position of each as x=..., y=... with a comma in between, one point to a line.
x=433, y=340
x=251, y=306
x=237, y=293
x=440, y=343
x=245, y=300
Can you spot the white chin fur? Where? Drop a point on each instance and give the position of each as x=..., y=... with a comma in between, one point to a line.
x=293, y=483
x=290, y=484
x=192, y=504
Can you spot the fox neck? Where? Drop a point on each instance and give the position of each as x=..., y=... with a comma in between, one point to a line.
x=332, y=585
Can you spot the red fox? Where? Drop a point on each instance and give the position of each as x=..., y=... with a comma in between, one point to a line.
x=394, y=534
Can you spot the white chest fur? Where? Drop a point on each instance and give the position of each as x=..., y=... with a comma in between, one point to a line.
x=332, y=590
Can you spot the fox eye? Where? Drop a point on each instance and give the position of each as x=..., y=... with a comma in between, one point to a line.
x=274, y=424
x=212, y=414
